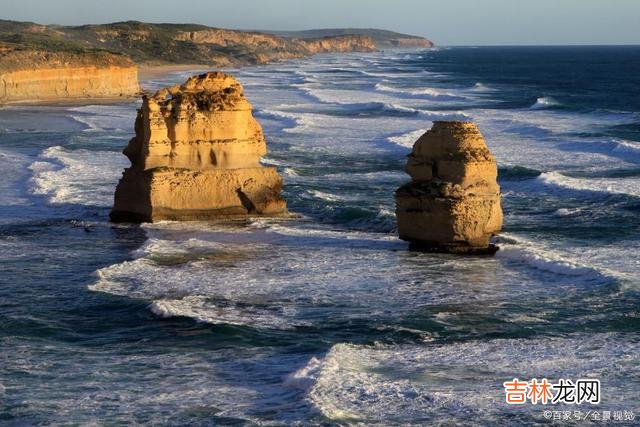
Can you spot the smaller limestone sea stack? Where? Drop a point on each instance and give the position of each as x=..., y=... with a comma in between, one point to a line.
x=452, y=203
x=196, y=155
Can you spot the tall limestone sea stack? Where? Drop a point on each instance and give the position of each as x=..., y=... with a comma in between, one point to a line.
x=452, y=203
x=196, y=155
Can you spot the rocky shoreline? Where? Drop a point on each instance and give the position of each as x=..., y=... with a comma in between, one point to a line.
x=44, y=63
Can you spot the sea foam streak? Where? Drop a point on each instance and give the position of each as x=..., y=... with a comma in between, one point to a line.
x=407, y=139
x=630, y=148
x=432, y=93
x=218, y=275
x=545, y=102
x=77, y=176
x=295, y=122
x=205, y=309
x=480, y=87
x=517, y=249
x=113, y=118
x=601, y=185
x=402, y=384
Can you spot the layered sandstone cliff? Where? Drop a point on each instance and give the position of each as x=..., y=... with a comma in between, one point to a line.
x=408, y=42
x=452, y=203
x=223, y=37
x=346, y=43
x=34, y=76
x=382, y=39
x=262, y=48
x=196, y=155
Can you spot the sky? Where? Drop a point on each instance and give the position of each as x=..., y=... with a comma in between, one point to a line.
x=446, y=22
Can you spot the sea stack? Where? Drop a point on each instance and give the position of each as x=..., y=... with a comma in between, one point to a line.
x=196, y=156
x=452, y=203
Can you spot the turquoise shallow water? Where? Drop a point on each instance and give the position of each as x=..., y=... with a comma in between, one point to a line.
x=329, y=319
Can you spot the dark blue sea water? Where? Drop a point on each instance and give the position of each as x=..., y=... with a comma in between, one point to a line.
x=329, y=319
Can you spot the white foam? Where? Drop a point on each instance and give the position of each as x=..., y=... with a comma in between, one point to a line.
x=276, y=274
x=592, y=264
x=563, y=212
x=407, y=139
x=544, y=259
x=371, y=177
x=283, y=274
x=437, y=94
x=77, y=176
x=544, y=102
x=325, y=196
x=481, y=87
x=445, y=115
x=302, y=122
x=400, y=108
x=630, y=186
x=291, y=172
x=538, y=139
x=455, y=381
x=349, y=239
x=114, y=118
x=341, y=96
x=203, y=309
x=305, y=378
x=627, y=147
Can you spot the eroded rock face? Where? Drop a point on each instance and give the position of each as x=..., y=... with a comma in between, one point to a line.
x=452, y=203
x=196, y=155
x=346, y=43
x=34, y=76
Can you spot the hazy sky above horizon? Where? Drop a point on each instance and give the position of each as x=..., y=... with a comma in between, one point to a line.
x=450, y=22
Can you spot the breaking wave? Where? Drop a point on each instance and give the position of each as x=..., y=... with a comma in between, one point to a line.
x=432, y=93
x=112, y=118
x=407, y=139
x=627, y=186
x=544, y=102
x=358, y=384
x=518, y=250
x=80, y=176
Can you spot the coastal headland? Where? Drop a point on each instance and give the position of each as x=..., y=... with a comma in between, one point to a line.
x=44, y=63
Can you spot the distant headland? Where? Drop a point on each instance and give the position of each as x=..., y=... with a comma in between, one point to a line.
x=53, y=62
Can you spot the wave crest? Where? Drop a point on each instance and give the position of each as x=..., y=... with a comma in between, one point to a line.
x=544, y=102
x=429, y=92
x=407, y=139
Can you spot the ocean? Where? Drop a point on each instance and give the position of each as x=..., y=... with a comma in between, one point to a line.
x=329, y=319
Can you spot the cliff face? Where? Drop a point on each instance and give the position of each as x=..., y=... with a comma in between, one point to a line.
x=223, y=37
x=382, y=39
x=44, y=76
x=452, y=203
x=196, y=155
x=148, y=43
x=266, y=48
x=348, y=43
x=51, y=62
x=401, y=42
